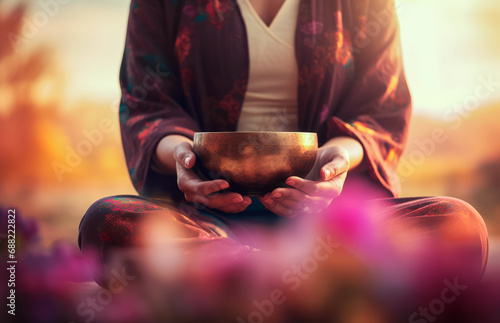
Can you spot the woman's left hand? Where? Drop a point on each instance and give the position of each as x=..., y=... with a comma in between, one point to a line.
x=314, y=193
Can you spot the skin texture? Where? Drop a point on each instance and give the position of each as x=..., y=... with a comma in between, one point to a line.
x=174, y=155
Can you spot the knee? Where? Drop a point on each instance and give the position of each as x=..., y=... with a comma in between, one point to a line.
x=119, y=204
x=116, y=204
x=462, y=213
x=93, y=218
x=102, y=215
x=465, y=226
x=100, y=206
x=97, y=211
x=455, y=216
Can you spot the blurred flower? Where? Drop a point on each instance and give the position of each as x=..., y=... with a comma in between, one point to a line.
x=26, y=229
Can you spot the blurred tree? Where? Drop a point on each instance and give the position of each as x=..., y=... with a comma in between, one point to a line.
x=23, y=107
x=36, y=133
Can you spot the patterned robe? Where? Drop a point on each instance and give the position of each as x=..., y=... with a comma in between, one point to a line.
x=185, y=69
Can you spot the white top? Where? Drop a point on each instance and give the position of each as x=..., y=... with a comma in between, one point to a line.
x=270, y=102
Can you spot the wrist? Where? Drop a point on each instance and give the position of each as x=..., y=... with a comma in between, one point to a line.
x=349, y=147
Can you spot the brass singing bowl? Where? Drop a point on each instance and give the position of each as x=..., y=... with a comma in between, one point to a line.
x=254, y=163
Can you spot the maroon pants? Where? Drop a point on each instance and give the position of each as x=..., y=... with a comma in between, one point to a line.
x=449, y=224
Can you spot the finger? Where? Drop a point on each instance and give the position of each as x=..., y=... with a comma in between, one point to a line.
x=236, y=208
x=304, y=185
x=281, y=205
x=279, y=208
x=311, y=205
x=189, y=182
x=206, y=188
x=299, y=200
x=223, y=200
x=227, y=202
x=280, y=194
x=291, y=204
x=184, y=155
x=328, y=189
x=196, y=199
x=264, y=198
x=337, y=166
x=267, y=201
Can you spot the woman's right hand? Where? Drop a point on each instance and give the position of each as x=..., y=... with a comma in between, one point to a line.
x=204, y=192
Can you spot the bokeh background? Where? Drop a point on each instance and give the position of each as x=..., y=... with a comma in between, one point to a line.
x=59, y=63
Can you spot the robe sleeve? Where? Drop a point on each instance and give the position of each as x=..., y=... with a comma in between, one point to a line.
x=377, y=108
x=153, y=102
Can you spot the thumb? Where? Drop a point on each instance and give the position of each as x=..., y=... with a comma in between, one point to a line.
x=184, y=155
x=339, y=164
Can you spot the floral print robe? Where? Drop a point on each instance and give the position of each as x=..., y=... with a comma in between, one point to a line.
x=185, y=69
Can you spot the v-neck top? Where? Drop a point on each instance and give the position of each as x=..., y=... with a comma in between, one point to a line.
x=270, y=102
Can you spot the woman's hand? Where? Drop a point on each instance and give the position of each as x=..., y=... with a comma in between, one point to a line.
x=204, y=192
x=314, y=193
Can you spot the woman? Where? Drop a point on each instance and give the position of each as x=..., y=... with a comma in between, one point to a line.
x=327, y=66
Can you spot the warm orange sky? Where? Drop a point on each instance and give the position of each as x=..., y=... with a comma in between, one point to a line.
x=448, y=46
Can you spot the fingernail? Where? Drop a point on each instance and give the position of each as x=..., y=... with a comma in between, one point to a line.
x=276, y=195
x=290, y=182
x=268, y=201
x=237, y=199
x=187, y=160
x=224, y=185
x=328, y=173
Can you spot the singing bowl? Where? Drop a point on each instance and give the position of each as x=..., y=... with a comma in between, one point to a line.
x=254, y=163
